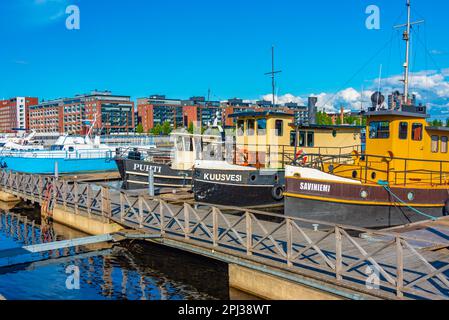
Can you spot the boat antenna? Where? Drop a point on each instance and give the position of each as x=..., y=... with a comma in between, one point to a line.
x=379, y=85
x=273, y=76
x=406, y=38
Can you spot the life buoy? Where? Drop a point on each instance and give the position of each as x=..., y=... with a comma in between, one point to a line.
x=277, y=192
x=301, y=155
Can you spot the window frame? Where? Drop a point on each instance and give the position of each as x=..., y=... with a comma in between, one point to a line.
x=279, y=132
x=445, y=143
x=248, y=131
x=264, y=131
x=377, y=130
x=432, y=141
x=406, y=131
x=413, y=131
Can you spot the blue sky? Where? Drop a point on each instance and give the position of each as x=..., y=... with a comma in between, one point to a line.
x=183, y=48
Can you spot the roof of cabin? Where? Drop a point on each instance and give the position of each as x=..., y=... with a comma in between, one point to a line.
x=396, y=113
x=446, y=129
x=260, y=114
x=329, y=127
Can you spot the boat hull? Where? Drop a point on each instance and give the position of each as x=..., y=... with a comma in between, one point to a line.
x=361, y=205
x=238, y=188
x=65, y=166
x=134, y=174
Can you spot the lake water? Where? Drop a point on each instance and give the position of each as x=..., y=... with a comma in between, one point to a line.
x=128, y=270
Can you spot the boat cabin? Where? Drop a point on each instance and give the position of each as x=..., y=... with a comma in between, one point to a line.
x=270, y=140
x=401, y=148
x=191, y=147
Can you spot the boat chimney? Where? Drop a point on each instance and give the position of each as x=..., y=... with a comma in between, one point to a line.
x=312, y=109
x=342, y=115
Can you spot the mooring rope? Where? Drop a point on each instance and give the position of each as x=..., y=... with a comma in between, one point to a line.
x=387, y=188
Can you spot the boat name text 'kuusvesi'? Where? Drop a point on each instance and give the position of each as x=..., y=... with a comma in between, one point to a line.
x=307, y=186
x=146, y=168
x=222, y=177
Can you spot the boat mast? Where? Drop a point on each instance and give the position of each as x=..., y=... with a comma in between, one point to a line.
x=406, y=38
x=407, y=54
x=273, y=75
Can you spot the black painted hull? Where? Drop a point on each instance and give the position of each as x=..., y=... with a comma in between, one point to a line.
x=134, y=174
x=252, y=189
x=367, y=216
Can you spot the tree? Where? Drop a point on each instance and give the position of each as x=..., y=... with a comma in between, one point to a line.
x=323, y=119
x=139, y=128
x=156, y=130
x=190, y=128
x=166, y=128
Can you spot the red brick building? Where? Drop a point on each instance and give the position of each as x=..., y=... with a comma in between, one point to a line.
x=113, y=113
x=14, y=113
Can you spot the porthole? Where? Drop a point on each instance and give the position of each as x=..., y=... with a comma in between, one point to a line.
x=373, y=176
x=334, y=133
x=331, y=169
x=253, y=177
x=364, y=194
x=411, y=196
x=354, y=174
x=276, y=177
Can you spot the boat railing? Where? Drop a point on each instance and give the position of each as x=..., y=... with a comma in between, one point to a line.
x=78, y=154
x=368, y=168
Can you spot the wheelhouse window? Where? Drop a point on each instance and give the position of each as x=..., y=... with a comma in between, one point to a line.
x=240, y=127
x=292, y=138
x=279, y=128
x=443, y=144
x=261, y=127
x=310, y=139
x=379, y=130
x=435, y=142
x=417, y=132
x=403, y=130
x=250, y=127
x=302, y=139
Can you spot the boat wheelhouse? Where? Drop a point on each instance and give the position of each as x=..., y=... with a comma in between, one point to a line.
x=173, y=167
x=253, y=173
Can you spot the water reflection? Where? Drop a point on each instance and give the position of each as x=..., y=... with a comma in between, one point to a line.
x=130, y=270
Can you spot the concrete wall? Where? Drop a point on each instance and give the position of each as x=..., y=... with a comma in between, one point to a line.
x=270, y=287
x=92, y=226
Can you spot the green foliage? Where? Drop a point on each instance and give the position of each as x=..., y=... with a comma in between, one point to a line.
x=139, y=128
x=190, y=128
x=166, y=128
x=436, y=123
x=156, y=130
x=323, y=119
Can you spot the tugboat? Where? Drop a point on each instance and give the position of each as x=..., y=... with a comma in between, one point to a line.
x=253, y=173
x=402, y=177
x=172, y=168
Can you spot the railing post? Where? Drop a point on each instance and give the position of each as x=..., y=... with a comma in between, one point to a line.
x=75, y=196
x=249, y=234
x=215, y=225
x=122, y=207
x=338, y=254
x=140, y=212
x=64, y=193
x=89, y=200
x=186, y=221
x=161, y=216
x=400, y=267
x=289, y=241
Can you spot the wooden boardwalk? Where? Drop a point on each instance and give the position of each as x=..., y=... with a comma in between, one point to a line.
x=386, y=264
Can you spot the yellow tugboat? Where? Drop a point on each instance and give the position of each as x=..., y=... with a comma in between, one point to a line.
x=402, y=177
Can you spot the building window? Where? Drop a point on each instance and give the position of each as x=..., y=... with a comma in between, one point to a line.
x=240, y=127
x=444, y=144
x=261, y=127
x=379, y=130
x=417, y=132
x=250, y=127
x=279, y=128
x=435, y=142
x=403, y=130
